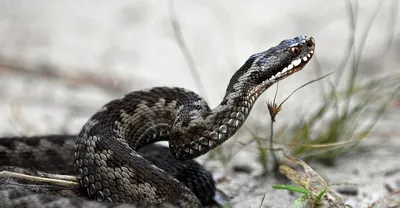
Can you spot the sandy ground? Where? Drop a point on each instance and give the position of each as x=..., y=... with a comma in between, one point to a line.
x=77, y=56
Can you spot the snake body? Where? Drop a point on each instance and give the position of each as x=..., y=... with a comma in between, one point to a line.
x=106, y=158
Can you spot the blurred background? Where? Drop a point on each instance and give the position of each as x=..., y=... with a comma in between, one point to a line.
x=60, y=61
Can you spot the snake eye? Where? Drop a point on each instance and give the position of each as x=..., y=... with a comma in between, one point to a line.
x=295, y=50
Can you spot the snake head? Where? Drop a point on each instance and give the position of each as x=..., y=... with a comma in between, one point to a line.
x=264, y=69
x=279, y=62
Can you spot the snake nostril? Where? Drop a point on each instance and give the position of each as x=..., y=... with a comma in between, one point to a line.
x=309, y=44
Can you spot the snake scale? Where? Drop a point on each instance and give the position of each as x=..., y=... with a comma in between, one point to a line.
x=107, y=157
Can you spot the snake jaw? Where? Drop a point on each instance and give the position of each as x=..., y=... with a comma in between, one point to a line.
x=294, y=66
x=292, y=56
x=289, y=57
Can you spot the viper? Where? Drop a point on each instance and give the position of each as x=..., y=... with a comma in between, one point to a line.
x=107, y=155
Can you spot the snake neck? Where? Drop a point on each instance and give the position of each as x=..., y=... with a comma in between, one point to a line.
x=206, y=129
x=198, y=130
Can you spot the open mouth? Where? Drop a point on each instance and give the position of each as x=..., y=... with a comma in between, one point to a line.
x=302, y=47
x=293, y=67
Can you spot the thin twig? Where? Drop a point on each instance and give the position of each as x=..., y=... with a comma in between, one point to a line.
x=365, y=33
x=352, y=12
x=312, y=81
x=318, y=72
x=184, y=49
x=276, y=92
x=276, y=163
x=271, y=138
x=357, y=57
x=61, y=180
x=262, y=201
x=392, y=29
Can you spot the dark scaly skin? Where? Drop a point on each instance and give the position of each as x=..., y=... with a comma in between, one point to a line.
x=16, y=198
x=27, y=155
x=107, y=163
x=50, y=153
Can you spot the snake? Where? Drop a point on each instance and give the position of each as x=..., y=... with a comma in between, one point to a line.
x=106, y=154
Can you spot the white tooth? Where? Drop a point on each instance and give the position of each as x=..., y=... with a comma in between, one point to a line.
x=284, y=70
x=312, y=52
x=290, y=66
x=304, y=58
x=296, y=62
x=308, y=55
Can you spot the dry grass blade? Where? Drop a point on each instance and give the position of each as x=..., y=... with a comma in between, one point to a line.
x=61, y=180
x=262, y=201
x=184, y=49
x=329, y=132
x=324, y=145
x=310, y=82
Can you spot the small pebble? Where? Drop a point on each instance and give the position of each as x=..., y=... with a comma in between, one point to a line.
x=350, y=191
x=242, y=169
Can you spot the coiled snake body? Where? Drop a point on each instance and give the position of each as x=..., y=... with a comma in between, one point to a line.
x=107, y=163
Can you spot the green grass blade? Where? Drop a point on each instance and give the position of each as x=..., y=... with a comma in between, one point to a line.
x=291, y=188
